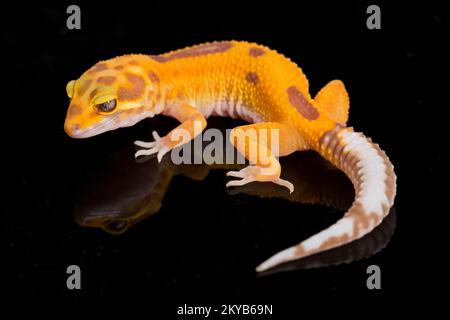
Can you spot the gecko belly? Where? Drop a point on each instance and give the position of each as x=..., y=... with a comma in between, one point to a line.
x=234, y=109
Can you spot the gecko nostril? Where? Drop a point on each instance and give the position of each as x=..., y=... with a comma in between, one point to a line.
x=72, y=129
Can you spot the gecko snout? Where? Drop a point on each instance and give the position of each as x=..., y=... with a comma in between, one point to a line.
x=72, y=129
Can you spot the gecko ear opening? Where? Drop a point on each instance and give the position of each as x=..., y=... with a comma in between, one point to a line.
x=70, y=88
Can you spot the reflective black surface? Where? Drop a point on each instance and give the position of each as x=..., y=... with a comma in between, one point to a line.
x=197, y=240
x=123, y=192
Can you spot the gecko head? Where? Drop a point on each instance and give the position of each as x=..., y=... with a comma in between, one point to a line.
x=112, y=94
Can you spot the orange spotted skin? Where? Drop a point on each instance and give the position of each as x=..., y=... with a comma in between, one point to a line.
x=251, y=74
x=245, y=73
x=249, y=81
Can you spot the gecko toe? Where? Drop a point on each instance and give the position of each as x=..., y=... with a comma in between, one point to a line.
x=285, y=183
x=162, y=152
x=144, y=144
x=145, y=152
x=238, y=183
x=236, y=174
x=156, y=136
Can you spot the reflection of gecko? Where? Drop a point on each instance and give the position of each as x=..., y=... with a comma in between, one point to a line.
x=248, y=81
x=121, y=193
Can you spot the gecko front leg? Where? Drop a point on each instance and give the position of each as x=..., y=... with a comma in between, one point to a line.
x=192, y=124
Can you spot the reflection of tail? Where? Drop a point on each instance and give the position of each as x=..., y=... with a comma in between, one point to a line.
x=363, y=248
x=374, y=181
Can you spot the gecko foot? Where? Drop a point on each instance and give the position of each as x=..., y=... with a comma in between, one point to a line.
x=253, y=173
x=158, y=147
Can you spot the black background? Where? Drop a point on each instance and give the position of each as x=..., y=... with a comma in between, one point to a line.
x=204, y=243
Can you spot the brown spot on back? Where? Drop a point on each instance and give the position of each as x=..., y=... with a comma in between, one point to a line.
x=133, y=63
x=136, y=90
x=83, y=87
x=74, y=110
x=107, y=80
x=98, y=67
x=256, y=52
x=153, y=76
x=200, y=50
x=304, y=107
x=119, y=67
x=252, y=77
x=160, y=58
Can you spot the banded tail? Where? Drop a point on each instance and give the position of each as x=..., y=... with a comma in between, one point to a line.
x=374, y=180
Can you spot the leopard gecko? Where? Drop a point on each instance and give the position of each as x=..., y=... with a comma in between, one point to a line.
x=251, y=82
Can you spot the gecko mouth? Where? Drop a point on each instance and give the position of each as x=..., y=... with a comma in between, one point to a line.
x=108, y=124
x=105, y=125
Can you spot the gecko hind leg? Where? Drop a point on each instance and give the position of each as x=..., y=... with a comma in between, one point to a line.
x=260, y=144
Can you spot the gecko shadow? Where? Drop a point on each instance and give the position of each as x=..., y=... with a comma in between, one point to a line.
x=123, y=192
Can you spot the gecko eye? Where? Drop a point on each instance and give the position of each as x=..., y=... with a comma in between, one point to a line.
x=106, y=107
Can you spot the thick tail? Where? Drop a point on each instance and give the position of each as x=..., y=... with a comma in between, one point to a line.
x=374, y=180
